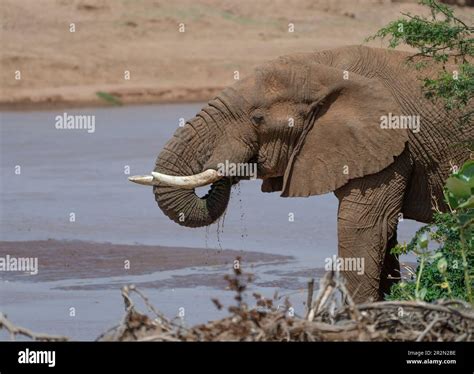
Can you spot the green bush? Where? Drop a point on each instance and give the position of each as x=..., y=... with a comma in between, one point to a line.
x=447, y=269
x=439, y=38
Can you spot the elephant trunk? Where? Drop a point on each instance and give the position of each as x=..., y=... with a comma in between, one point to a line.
x=219, y=134
x=186, y=155
x=188, y=209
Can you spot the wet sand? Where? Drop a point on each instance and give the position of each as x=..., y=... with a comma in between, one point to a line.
x=58, y=260
x=87, y=277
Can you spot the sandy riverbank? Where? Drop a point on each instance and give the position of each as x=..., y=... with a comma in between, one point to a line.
x=88, y=276
x=61, y=68
x=63, y=259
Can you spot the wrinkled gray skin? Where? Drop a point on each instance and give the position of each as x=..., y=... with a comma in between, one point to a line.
x=336, y=144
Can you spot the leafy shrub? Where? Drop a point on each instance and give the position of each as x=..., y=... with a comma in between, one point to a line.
x=447, y=270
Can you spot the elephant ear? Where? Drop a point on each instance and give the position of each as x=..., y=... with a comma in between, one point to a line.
x=345, y=140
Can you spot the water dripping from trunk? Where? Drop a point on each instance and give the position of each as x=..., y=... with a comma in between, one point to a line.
x=220, y=229
x=207, y=243
x=207, y=237
x=243, y=227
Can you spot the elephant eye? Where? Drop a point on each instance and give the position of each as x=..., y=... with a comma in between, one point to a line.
x=258, y=119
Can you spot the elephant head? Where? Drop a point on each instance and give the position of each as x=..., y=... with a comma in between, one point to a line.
x=308, y=129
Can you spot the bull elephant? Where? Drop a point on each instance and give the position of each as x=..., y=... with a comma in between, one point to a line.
x=352, y=121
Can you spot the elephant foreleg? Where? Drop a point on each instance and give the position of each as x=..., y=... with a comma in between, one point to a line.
x=368, y=214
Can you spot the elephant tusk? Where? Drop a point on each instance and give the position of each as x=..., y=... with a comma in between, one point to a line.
x=146, y=180
x=187, y=182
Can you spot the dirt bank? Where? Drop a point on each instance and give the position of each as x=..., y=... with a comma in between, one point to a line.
x=60, y=259
x=63, y=68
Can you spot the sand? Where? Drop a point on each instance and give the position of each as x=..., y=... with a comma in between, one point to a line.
x=63, y=259
x=60, y=68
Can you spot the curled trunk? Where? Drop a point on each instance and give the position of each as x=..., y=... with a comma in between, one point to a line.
x=201, y=145
x=185, y=154
x=188, y=209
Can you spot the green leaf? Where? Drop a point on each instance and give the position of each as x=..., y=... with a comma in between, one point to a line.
x=437, y=255
x=399, y=249
x=421, y=294
x=467, y=173
x=458, y=186
x=468, y=204
x=442, y=265
x=423, y=240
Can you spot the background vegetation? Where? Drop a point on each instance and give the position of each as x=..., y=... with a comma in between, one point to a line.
x=444, y=249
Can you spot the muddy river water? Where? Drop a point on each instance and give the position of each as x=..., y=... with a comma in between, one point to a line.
x=65, y=200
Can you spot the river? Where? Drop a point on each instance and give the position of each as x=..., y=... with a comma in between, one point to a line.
x=71, y=185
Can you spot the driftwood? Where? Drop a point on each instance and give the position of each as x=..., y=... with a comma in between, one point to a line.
x=332, y=316
x=15, y=330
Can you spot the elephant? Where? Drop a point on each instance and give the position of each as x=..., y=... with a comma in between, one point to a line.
x=351, y=120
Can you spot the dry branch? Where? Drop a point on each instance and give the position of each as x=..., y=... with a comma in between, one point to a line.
x=332, y=316
x=15, y=330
